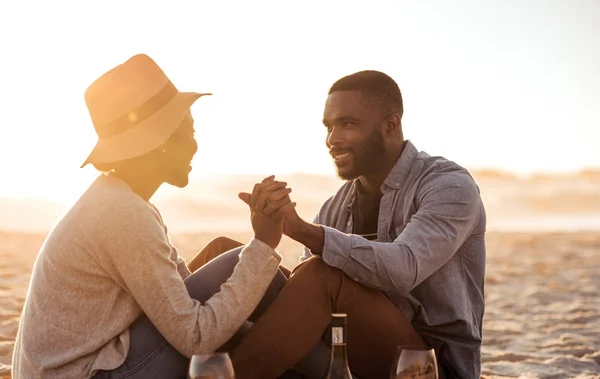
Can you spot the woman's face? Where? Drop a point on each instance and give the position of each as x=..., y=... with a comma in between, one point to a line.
x=178, y=153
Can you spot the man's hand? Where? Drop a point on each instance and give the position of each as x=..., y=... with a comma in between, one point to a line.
x=292, y=223
x=268, y=203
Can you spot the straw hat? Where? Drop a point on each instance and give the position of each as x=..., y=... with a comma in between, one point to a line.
x=135, y=109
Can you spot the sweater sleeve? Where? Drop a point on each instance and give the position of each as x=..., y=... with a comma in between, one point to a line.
x=140, y=253
x=182, y=267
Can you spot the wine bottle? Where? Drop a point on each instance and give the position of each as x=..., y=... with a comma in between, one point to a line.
x=338, y=362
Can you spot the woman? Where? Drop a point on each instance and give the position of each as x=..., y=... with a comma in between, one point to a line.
x=109, y=294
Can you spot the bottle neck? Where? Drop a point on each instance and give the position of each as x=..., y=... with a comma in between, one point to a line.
x=338, y=363
x=339, y=352
x=338, y=343
x=338, y=335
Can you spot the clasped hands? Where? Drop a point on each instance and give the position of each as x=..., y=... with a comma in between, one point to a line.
x=272, y=212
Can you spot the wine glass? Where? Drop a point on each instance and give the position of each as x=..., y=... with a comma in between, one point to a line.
x=414, y=362
x=211, y=366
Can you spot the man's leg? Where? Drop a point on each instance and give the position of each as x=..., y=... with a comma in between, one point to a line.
x=301, y=314
x=150, y=356
x=215, y=248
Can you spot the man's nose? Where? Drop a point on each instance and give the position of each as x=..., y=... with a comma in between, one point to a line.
x=334, y=137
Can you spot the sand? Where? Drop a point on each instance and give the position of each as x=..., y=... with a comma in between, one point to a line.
x=542, y=315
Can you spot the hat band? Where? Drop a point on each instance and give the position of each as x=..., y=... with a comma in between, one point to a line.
x=139, y=114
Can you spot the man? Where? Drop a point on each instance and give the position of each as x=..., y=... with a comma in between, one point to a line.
x=400, y=248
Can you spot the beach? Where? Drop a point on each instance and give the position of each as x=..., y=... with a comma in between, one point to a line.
x=542, y=316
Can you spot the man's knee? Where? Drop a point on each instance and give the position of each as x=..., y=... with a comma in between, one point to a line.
x=316, y=268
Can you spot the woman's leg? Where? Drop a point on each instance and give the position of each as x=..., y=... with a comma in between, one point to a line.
x=150, y=356
x=212, y=250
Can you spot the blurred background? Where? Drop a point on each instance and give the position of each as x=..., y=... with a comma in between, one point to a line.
x=508, y=89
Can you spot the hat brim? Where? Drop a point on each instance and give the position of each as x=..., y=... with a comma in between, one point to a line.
x=146, y=136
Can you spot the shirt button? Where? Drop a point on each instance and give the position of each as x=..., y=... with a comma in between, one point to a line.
x=398, y=184
x=349, y=223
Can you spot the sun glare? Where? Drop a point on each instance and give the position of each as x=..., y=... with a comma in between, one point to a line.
x=479, y=86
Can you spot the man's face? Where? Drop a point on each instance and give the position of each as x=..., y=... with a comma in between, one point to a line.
x=354, y=134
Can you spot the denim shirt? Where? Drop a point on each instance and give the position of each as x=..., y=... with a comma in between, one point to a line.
x=429, y=257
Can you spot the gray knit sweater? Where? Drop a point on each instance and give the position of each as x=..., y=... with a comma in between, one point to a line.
x=108, y=260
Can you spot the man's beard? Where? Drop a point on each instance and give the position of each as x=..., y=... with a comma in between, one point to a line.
x=367, y=158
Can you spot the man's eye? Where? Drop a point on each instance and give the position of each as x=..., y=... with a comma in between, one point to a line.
x=347, y=123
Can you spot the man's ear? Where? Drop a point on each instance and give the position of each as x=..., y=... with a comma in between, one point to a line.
x=393, y=124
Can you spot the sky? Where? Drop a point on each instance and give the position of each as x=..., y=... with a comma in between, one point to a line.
x=508, y=85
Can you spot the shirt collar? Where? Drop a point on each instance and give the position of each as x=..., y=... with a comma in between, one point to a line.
x=398, y=174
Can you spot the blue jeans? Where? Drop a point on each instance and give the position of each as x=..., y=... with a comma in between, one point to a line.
x=150, y=355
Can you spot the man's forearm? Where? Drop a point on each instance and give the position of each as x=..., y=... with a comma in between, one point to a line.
x=310, y=235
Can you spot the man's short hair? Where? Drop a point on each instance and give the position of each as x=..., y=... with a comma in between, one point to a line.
x=377, y=88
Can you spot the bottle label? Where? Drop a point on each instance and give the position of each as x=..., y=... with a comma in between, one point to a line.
x=337, y=335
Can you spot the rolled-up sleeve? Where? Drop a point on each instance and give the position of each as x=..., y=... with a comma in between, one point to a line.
x=448, y=209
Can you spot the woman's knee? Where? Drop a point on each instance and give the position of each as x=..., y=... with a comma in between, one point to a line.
x=222, y=244
x=226, y=242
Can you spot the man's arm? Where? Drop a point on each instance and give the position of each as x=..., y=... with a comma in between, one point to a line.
x=312, y=236
x=449, y=208
x=307, y=252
